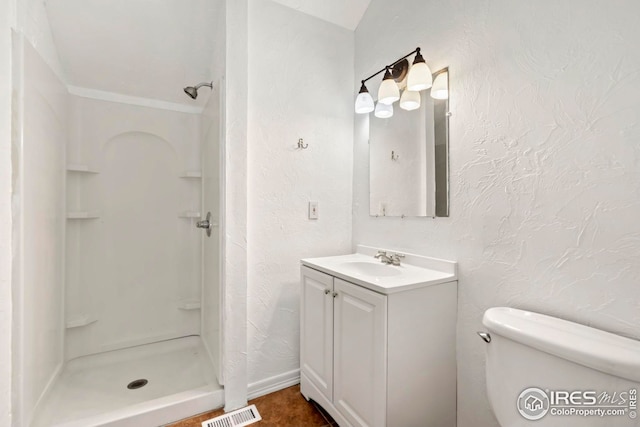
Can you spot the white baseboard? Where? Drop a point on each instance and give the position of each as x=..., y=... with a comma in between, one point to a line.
x=271, y=384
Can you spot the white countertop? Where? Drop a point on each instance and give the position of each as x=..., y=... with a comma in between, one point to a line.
x=363, y=269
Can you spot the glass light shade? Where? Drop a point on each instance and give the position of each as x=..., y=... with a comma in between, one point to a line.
x=440, y=89
x=410, y=100
x=419, y=77
x=364, y=103
x=383, y=111
x=388, y=93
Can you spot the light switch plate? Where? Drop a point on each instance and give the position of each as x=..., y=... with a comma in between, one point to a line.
x=313, y=210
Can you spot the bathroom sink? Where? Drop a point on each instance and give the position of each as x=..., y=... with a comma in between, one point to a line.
x=375, y=269
x=363, y=269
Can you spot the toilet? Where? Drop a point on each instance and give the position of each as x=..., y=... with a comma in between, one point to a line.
x=547, y=372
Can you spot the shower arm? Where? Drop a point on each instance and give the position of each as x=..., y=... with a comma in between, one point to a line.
x=199, y=85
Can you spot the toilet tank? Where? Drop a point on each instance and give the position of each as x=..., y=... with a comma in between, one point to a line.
x=548, y=372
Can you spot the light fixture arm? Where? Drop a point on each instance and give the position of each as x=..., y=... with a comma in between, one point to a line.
x=417, y=50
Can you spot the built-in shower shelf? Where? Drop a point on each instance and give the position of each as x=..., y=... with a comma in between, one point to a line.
x=191, y=174
x=79, y=321
x=189, y=305
x=189, y=214
x=80, y=168
x=82, y=215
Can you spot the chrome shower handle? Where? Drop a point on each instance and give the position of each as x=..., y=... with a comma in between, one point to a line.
x=486, y=336
x=206, y=224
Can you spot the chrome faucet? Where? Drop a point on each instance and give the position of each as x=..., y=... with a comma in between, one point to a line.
x=393, y=259
x=384, y=258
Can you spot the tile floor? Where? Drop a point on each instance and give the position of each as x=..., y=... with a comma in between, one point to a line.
x=284, y=408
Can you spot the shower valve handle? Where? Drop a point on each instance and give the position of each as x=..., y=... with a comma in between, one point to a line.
x=206, y=224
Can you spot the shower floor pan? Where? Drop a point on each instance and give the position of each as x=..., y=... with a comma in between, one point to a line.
x=109, y=389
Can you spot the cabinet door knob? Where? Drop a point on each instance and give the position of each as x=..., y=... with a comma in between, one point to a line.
x=335, y=294
x=326, y=291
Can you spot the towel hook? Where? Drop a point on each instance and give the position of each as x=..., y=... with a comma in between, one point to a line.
x=301, y=144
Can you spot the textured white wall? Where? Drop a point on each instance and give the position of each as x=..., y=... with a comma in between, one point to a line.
x=300, y=86
x=5, y=212
x=347, y=14
x=545, y=161
x=234, y=238
x=33, y=22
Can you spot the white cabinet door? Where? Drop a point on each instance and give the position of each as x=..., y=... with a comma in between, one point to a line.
x=316, y=329
x=360, y=358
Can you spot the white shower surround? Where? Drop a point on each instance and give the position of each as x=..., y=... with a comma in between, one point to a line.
x=39, y=221
x=133, y=267
x=236, y=14
x=36, y=376
x=545, y=161
x=40, y=192
x=5, y=213
x=92, y=390
x=29, y=18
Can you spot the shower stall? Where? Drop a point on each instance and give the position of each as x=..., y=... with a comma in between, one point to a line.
x=118, y=315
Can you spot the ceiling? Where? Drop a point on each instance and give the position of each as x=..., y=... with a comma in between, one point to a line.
x=146, y=48
x=345, y=13
x=152, y=49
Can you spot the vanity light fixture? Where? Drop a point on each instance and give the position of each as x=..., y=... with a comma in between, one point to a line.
x=410, y=100
x=388, y=93
x=440, y=89
x=418, y=79
x=364, y=101
x=419, y=75
x=383, y=111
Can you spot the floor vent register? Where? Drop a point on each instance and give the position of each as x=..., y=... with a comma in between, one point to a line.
x=239, y=418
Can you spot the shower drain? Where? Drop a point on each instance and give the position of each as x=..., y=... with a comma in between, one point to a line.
x=137, y=384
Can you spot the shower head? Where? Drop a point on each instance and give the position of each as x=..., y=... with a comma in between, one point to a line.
x=192, y=91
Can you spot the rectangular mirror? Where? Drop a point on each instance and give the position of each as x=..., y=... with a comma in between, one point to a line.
x=409, y=157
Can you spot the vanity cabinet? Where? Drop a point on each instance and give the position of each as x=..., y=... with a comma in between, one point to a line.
x=316, y=326
x=375, y=360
